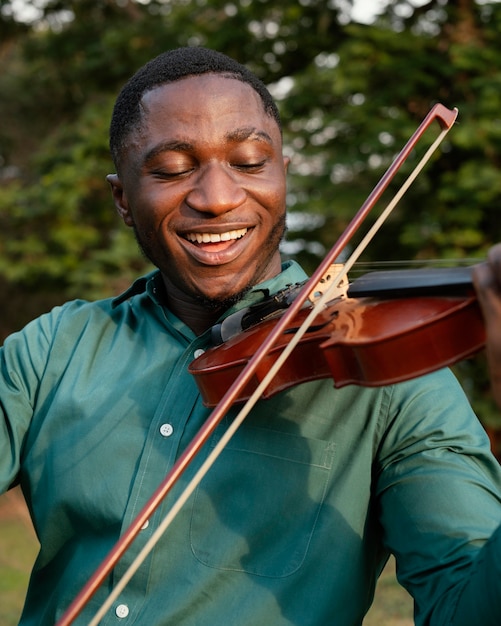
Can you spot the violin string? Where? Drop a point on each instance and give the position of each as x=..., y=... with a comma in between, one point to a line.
x=361, y=267
x=249, y=404
x=420, y=262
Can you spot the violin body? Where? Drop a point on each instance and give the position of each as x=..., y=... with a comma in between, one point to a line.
x=369, y=341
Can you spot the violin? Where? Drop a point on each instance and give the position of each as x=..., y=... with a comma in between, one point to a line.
x=388, y=327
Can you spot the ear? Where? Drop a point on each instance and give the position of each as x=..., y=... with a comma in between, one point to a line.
x=286, y=163
x=120, y=199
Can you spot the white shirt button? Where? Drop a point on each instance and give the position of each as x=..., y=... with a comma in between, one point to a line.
x=145, y=525
x=166, y=430
x=198, y=353
x=122, y=610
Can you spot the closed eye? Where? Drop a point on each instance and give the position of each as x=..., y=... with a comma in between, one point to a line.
x=249, y=167
x=164, y=175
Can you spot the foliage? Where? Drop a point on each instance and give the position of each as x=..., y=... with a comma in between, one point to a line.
x=60, y=230
x=371, y=95
x=351, y=94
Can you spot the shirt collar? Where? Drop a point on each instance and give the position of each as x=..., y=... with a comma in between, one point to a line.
x=291, y=274
x=152, y=285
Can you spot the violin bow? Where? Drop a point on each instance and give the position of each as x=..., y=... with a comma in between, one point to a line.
x=445, y=118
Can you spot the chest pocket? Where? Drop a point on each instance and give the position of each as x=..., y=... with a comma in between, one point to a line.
x=256, y=509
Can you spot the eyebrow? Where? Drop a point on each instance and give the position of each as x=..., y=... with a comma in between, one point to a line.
x=242, y=134
x=167, y=146
x=239, y=136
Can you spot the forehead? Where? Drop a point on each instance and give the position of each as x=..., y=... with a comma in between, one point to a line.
x=203, y=102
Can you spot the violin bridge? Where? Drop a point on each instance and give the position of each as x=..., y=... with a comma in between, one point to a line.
x=326, y=284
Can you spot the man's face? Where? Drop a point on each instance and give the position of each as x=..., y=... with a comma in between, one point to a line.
x=203, y=186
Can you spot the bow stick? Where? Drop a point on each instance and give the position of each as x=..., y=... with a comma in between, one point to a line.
x=446, y=118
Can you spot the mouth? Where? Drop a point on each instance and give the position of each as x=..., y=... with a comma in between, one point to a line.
x=213, y=248
x=231, y=235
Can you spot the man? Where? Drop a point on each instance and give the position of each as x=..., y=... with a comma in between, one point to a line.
x=487, y=279
x=295, y=520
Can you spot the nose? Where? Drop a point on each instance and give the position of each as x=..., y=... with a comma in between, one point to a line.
x=216, y=190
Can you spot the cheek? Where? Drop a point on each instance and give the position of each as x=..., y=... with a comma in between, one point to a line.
x=276, y=203
x=270, y=195
x=277, y=188
x=149, y=212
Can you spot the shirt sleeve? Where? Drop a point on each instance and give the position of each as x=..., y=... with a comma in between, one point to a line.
x=23, y=358
x=439, y=493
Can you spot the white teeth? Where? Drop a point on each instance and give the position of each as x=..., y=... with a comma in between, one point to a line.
x=216, y=237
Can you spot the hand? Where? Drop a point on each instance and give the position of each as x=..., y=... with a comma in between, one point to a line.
x=487, y=282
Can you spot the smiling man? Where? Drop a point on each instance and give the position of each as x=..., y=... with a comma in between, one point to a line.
x=295, y=520
x=203, y=186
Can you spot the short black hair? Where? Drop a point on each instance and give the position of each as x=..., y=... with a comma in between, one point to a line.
x=169, y=67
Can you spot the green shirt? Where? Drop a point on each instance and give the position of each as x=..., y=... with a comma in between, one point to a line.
x=295, y=520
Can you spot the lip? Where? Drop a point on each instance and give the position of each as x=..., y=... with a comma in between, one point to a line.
x=215, y=237
x=219, y=252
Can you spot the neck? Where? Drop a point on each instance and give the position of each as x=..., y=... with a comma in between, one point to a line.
x=196, y=314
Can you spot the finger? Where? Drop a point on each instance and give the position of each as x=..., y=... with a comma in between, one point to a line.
x=488, y=290
x=494, y=260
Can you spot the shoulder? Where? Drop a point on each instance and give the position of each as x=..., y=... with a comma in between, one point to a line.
x=73, y=318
